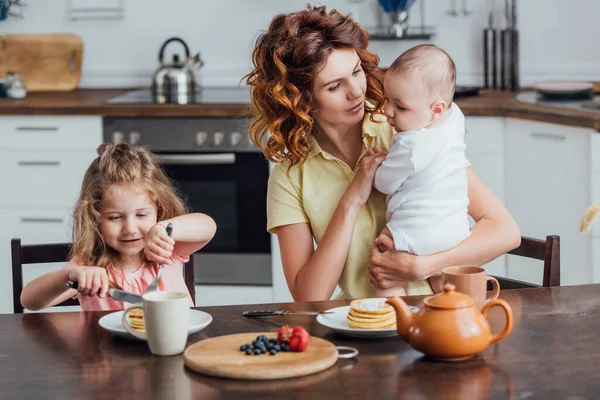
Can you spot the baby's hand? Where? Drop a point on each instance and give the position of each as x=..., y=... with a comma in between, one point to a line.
x=159, y=246
x=91, y=280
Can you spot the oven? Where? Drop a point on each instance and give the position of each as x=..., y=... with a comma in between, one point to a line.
x=219, y=172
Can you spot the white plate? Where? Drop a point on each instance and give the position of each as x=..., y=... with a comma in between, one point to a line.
x=113, y=323
x=339, y=323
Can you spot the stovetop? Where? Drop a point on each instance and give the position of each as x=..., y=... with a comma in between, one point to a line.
x=204, y=95
x=220, y=95
x=582, y=105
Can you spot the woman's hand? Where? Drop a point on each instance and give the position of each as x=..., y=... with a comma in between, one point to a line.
x=362, y=184
x=91, y=280
x=389, y=267
x=159, y=246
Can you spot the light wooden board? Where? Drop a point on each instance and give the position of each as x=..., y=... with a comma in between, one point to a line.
x=49, y=62
x=221, y=357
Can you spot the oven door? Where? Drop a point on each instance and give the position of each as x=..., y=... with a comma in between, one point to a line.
x=231, y=188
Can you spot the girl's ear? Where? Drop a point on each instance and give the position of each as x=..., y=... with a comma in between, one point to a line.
x=437, y=109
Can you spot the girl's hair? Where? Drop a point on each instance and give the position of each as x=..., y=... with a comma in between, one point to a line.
x=286, y=59
x=117, y=164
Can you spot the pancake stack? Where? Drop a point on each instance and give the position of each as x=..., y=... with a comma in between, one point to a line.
x=136, y=318
x=371, y=314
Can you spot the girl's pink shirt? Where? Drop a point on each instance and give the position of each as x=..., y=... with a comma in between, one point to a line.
x=137, y=282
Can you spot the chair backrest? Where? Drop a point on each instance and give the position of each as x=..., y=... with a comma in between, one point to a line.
x=545, y=250
x=60, y=252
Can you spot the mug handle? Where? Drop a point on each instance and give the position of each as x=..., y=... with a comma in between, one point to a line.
x=495, y=289
x=127, y=324
x=509, y=317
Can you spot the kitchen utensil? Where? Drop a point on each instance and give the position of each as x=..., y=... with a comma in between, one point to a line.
x=269, y=313
x=221, y=357
x=154, y=284
x=117, y=294
x=166, y=316
x=473, y=282
x=176, y=79
x=487, y=46
x=48, y=62
x=450, y=326
x=113, y=323
x=565, y=90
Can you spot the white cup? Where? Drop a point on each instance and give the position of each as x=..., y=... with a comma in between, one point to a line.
x=165, y=321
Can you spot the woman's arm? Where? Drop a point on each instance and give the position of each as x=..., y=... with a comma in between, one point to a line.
x=312, y=275
x=495, y=233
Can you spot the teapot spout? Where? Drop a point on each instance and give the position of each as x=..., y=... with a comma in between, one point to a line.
x=404, y=316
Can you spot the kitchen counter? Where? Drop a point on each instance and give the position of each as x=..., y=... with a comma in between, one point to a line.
x=93, y=102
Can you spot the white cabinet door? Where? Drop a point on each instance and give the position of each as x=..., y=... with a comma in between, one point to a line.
x=548, y=173
x=485, y=152
x=32, y=226
x=221, y=295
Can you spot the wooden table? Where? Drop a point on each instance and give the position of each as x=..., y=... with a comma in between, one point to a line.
x=553, y=352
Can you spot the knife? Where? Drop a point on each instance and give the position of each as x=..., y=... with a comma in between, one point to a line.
x=268, y=313
x=119, y=295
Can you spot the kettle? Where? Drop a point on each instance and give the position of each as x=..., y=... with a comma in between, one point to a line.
x=175, y=82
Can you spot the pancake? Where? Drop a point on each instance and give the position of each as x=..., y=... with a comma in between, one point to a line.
x=373, y=313
x=136, y=318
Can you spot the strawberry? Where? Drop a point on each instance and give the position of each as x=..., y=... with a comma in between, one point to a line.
x=284, y=334
x=299, y=339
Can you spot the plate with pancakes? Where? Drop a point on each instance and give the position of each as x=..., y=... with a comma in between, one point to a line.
x=371, y=317
x=113, y=322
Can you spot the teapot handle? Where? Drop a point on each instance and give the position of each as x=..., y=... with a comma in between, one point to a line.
x=509, y=317
x=173, y=39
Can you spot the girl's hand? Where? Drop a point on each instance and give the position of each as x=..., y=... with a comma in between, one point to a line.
x=362, y=184
x=389, y=267
x=91, y=281
x=159, y=246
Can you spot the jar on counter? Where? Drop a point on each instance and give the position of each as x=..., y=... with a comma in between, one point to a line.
x=15, y=86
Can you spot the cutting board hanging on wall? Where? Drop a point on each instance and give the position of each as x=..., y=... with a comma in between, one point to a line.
x=48, y=62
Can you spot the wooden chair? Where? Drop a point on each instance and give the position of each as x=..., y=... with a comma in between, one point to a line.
x=60, y=252
x=546, y=250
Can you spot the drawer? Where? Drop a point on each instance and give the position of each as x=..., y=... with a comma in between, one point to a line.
x=50, y=132
x=32, y=226
x=42, y=179
x=220, y=295
x=484, y=134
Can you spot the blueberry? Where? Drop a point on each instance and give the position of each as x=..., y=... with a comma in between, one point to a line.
x=254, y=343
x=273, y=352
x=248, y=352
x=257, y=352
x=285, y=347
x=274, y=341
x=277, y=347
x=243, y=347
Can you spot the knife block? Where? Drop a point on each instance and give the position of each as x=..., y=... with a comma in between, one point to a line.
x=501, y=59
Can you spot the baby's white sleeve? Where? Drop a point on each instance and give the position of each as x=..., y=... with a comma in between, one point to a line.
x=398, y=166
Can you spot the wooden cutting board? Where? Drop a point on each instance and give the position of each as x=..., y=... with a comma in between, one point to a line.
x=221, y=357
x=49, y=62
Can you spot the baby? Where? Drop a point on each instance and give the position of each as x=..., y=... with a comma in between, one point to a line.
x=424, y=174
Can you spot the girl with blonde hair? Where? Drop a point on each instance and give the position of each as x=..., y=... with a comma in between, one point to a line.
x=119, y=234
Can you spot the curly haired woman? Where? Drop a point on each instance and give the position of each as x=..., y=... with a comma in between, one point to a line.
x=317, y=96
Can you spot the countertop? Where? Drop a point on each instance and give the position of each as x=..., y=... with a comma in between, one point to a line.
x=92, y=102
x=551, y=353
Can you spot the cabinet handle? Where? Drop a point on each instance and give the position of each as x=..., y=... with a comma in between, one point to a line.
x=39, y=163
x=548, y=136
x=37, y=128
x=39, y=219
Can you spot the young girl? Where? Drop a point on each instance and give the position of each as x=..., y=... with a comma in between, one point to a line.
x=119, y=234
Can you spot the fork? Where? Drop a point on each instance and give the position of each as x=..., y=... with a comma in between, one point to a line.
x=154, y=284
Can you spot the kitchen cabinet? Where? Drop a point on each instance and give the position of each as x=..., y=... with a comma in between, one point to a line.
x=548, y=173
x=43, y=160
x=485, y=139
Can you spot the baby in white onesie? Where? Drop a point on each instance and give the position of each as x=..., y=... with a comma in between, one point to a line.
x=424, y=174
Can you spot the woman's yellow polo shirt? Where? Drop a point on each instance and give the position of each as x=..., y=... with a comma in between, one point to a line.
x=311, y=193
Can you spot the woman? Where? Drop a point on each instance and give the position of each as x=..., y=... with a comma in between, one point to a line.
x=318, y=92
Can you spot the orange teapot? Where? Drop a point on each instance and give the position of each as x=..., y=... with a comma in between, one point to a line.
x=449, y=326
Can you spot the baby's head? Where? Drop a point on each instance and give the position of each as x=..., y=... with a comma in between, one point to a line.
x=419, y=87
x=124, y=193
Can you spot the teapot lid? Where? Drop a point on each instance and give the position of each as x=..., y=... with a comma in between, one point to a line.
x=449, y=299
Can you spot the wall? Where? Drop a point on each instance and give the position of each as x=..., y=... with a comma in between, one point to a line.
x=555, y=36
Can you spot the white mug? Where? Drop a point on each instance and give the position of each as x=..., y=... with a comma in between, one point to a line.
x=165, y=321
